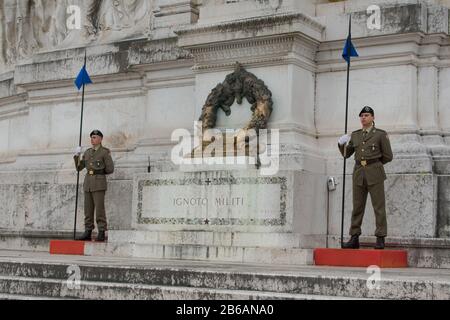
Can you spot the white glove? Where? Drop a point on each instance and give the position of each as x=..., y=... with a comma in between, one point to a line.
x=344, y=139
x=78, y=151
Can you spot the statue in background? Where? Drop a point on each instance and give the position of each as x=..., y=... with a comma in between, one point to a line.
x=122, y=14
x=58, y=26
x=28, y=26
x=19, y=36
x=48, y=22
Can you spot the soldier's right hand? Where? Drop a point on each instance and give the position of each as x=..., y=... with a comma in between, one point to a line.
x=344, y=139
x=78, y=151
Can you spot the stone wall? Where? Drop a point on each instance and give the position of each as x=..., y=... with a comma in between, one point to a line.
x=154, y=67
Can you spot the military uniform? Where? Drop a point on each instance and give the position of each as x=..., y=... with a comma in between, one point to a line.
x=98, y=163
x=372, y=150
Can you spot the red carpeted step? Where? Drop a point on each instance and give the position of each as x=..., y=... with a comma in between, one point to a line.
x=361, y=258
x=68, y=247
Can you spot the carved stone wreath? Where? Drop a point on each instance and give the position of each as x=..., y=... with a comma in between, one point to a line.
x=238, y=85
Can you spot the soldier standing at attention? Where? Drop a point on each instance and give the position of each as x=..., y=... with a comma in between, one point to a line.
x=372, y=150
x=98, y=163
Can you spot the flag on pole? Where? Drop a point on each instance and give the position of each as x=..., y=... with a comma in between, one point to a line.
x=82, y=78
x=349, y=50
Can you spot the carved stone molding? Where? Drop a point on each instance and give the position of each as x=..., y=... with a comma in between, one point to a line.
x=418, y=49
x=13, y=107
x=251, y=28
x=260, y=51
x=147, y=52
x=263, y=40
x=238, y=85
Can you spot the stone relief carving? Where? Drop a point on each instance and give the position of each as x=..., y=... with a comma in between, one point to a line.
x=123, y=18
x=274, y=4
x=117, y=15
x=48, y=22
x=18, y=40
x=28, y=26
x=238, y=85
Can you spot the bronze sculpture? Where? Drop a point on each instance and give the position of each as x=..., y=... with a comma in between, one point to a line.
x=238, y=85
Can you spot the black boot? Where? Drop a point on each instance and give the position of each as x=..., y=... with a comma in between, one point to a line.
x=380, y=243
x=86, y=236
x=352, y=244
x=101, y=236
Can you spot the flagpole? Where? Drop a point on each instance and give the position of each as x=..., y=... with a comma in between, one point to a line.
x=346, y=132
x=79, y=159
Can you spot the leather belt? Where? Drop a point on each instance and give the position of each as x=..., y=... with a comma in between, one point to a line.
x=96, y=172
x=365, y=163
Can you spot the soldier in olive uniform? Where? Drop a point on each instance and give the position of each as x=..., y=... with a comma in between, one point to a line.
x=98, y=163
x=372, y=150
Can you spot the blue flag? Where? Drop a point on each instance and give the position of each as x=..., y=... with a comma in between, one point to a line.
x=349, y=50
x=83, y=78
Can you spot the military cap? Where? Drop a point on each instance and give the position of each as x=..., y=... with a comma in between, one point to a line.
x=96, y=133
x=367, y=109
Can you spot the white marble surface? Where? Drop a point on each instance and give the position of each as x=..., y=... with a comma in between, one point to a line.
x=157, y=81
x=409, y=201
x=227, y=201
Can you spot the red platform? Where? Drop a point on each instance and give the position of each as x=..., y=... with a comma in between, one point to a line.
x=361, y=258
x=68, y=247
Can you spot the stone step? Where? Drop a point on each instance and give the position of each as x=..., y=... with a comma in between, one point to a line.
x=274, y=256
x=215, y=280
x=30, y=240
x=23, y=297
x=220, y=239
x=422, y=253
x=27, y=288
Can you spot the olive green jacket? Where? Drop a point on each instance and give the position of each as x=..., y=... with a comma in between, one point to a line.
x=375, y=145
x=98, y=164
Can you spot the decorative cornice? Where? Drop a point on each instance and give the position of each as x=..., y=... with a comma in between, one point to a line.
x=173, y=82
x=7, y=76
x=249, y=51
x=13, y=106
x=102, y=60
x=125, y=85
x=265, y=40
x=415, y=49
x=176, y=8
x=113, y=63
x=253, y=23
x=157, y=51
x=264, y=50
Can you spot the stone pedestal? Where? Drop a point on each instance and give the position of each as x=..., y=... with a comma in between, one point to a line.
x=237, y=216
